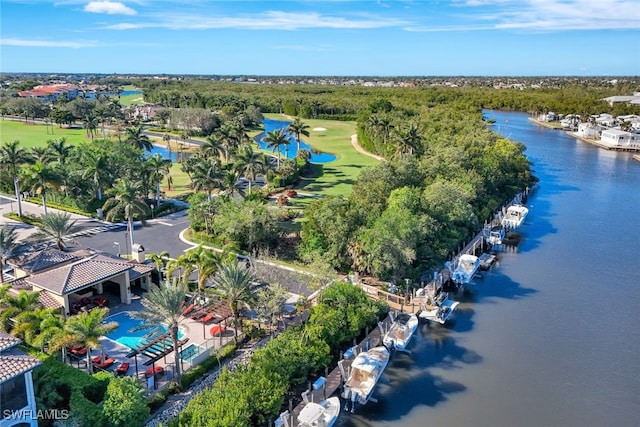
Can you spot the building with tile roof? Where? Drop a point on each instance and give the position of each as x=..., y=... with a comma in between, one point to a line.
x=67, y=280
x=17, y=397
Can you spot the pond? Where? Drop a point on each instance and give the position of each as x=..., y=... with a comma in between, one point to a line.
x=271, y=125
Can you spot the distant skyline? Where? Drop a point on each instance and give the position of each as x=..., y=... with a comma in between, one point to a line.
x=323, y=38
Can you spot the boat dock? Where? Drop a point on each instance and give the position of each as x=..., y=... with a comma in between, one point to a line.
x=334, y=378
x=636, y=157
x=474, y=246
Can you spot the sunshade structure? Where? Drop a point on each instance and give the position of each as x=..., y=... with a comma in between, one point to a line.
x=155, y=349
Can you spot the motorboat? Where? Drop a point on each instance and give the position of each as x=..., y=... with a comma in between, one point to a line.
x=322, y=414
x=364, y=373
x=402, y=329
x=515, y=216
x=466, y=266
x=494, y=235
x=435, y=305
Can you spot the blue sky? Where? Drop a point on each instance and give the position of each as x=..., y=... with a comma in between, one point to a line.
x=343, y=38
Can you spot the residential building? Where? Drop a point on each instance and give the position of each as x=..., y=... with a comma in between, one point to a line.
x=588, y=130
x=71, y=280
x=17, y=397
x=619, y=138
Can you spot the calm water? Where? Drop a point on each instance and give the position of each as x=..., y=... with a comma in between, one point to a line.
x=550, y=336
x=271, y=125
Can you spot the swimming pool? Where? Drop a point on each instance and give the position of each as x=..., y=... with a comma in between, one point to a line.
x=125, y=336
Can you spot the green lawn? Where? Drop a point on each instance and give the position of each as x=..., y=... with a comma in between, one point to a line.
x=35, y=134
x=337, y=177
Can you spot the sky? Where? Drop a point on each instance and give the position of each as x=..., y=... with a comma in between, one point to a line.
x=323, y=38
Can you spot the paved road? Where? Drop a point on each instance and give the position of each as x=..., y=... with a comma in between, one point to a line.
x=156, y=235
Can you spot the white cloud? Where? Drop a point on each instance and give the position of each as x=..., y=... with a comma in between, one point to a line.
x=109, y=7
x=272, y=20
x=47, y=43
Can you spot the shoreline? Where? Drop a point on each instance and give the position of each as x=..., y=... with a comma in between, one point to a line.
x=595, y=142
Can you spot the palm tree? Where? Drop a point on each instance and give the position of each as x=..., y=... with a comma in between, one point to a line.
x=86, y=328
x=164, y=305
x=14, y=305
x=125, y=204
x=43, y=176
x=409, y=140
x=51, y=329
x=160, y=260
x=135, y=137
x=298, y=128
x=213, y=147
x=229, y=183
x=275, y=139
x=232, y=283
x=206, y=176
x=13, y=156
x=41, y=154
x=28, y=324
x=57, y=226
x=91, y=124
x=159, y=167
x=250, y=164
x=96, y=163
x=59, y=149
x=8, y=246
x=205, y=261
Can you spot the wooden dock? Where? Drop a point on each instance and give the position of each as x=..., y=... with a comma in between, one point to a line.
x=636, y=157
x=334, y=379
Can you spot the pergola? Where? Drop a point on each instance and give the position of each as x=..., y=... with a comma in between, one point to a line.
x=156, y=349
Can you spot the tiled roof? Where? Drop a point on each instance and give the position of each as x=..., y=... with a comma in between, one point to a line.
x=72, y=277
x=44, y=260
x=48, y=301
x=140, y=270
x=15, y=362
x=7, y=341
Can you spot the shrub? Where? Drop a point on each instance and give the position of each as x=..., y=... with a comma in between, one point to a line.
x=290, y=193
x=124, y=404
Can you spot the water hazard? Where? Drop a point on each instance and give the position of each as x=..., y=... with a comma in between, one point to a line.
x=549, y=336
x=292, y=149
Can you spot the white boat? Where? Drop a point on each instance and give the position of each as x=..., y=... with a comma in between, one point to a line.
x=466, y=266
x=435, y=305
x=401, y=331
x=515, y=216
x=323, y=414
x=494, y=235
x=365, y=371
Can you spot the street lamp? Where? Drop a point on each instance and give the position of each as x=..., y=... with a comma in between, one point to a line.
x=126, y=241
x=151, y=206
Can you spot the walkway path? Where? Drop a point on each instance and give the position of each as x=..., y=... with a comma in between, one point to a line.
x=359, y=149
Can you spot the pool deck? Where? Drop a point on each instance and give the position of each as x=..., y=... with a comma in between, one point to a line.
x=195, y=331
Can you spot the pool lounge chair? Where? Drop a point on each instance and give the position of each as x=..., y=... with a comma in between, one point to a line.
x=106, y=364
x=188, y=310
x=208, y=317
x=159, y=370
x=123, y=368
x=99, y=358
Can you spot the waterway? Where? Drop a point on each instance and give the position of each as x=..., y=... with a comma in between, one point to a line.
x=549, y=336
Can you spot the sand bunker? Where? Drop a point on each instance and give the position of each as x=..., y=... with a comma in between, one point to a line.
x=319, y=129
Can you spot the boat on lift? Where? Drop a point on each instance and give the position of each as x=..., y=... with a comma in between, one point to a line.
x=466, y=267
x=435, y=304
x=515, y=215
x=494, y=235
x=322, y=414
x=402, y=329
x=364, y=373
